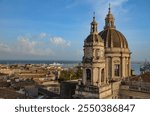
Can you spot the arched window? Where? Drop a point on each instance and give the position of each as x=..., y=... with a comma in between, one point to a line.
x=88, y=74
x=102, y=75
x=116, y=69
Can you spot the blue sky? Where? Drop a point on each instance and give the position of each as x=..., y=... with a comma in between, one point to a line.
x=56, y=29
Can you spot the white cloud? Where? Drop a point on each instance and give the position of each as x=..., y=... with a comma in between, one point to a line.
x=4, y=47
x=59, y=41
x=25, y=46
x=42, y=35
x=101, y=6
x=30, y=47
x=101, y=9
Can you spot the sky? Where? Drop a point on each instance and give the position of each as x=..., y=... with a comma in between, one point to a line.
x=56, y=29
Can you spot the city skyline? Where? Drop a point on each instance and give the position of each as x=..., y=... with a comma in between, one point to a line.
x=55, y=30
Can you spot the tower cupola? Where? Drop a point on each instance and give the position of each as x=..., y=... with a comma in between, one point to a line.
x=109, y=20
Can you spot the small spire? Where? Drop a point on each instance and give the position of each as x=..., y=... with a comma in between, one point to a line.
x=93, y=16
x=94, y=19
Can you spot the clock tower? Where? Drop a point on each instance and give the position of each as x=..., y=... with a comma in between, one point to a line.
x=94, y=58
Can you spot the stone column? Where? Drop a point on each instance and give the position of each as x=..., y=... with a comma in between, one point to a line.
x=106, y=68
x=127, y=67
x=129, y=61
x=92, y=75
x=99, y=76
x=105, y=77
x=84, y=76
x=123, y=69
x=109, y=68
x=112, y=68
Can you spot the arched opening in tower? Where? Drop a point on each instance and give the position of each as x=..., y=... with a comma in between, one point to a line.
x=102, y=75
x=88, y=74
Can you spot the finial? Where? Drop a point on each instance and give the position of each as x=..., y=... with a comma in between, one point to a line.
x=109, y=5
x=109, y=8
x=93, y=15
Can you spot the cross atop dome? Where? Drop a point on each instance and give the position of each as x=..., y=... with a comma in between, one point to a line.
x=109, y=8
x=93, y=14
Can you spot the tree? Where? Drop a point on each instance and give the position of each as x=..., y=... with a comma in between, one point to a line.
x=145, y=67
x=70, y=74
x=79, y=73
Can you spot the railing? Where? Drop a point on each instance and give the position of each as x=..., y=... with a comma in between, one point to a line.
x=137, y=86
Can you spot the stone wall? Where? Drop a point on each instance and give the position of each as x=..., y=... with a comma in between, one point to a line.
x=67, y=89
x=105, y=92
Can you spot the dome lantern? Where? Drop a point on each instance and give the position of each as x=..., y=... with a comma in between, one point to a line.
x=94, y=25
x=112, y=38
x=109, y=20
x=93, y=36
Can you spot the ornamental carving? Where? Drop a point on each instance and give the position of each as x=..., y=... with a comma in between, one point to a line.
x=116, y=61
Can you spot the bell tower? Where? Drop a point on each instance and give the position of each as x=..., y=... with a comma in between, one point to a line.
x=94, y=58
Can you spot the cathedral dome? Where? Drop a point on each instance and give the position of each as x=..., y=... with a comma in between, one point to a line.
x=113, y=38
x=93, y=38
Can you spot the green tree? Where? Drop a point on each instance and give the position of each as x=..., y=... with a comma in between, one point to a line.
x=70, y=74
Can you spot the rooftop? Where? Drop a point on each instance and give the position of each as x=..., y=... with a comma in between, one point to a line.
x=143, y=77
x=10, y=94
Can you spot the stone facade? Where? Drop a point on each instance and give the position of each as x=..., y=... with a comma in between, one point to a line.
x=106, y=61
x=107, y=66
x=94, y=59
